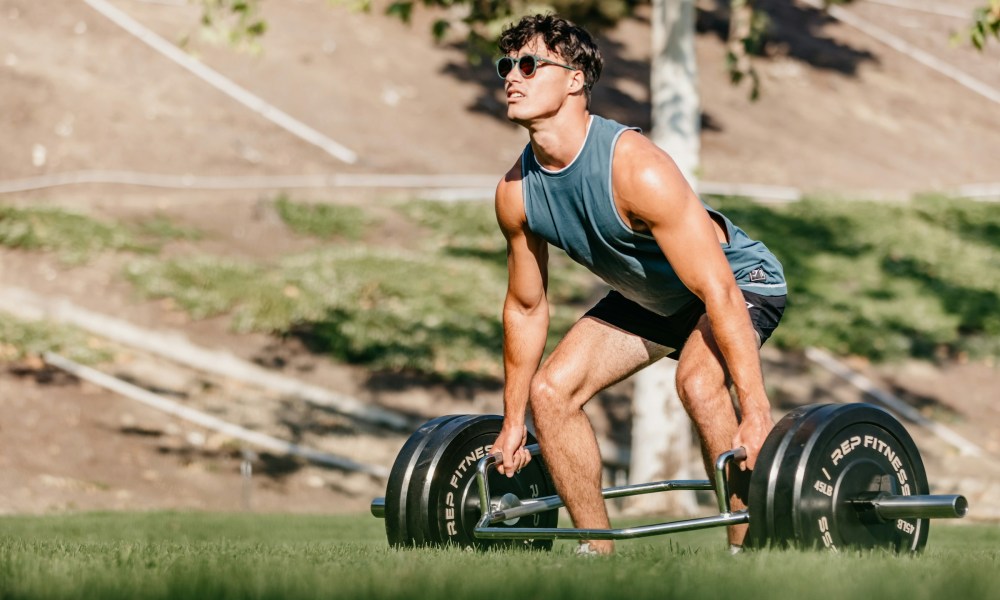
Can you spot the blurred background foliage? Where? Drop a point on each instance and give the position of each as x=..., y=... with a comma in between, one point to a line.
x=479, y=23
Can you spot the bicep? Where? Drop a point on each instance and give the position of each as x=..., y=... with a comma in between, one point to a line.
x=688, y=239
x=657, y=194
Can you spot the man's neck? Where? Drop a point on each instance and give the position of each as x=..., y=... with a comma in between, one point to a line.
x=557, y=141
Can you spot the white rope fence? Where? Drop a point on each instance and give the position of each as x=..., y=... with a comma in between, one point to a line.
x=236, y=182
x=433, y=187
x=207, y=421
x=176, y=347
x=223, y=84
x=828, y=362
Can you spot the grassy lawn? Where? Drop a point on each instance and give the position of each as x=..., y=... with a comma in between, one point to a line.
x=19, y=339
x=197, y=555
x=76, y=237
x=885, y=281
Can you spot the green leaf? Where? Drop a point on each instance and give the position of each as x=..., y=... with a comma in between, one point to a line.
x=258, y=28
x=978, y=39
x=439, y=28
x=401, y=10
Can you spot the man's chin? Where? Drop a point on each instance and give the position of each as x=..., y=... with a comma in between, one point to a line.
x=514, y=116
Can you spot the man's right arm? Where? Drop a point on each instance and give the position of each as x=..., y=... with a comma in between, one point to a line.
x=525, y=317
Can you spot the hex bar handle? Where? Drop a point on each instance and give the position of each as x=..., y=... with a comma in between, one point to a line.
x=721, y=481
x=538, y=505
x=627, y=533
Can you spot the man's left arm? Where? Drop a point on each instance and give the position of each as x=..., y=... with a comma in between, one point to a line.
x=650, y=187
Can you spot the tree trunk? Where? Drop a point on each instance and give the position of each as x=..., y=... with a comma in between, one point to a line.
x=674, y=85
x=661, y=430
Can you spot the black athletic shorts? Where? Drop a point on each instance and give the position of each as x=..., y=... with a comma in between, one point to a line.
x=673, y=331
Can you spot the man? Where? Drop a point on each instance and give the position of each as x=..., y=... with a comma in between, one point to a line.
x=687, y=283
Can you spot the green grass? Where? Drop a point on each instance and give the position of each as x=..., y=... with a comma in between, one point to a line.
x=179, y=555
x=74, y=237
x=163, y=228
x=19, y=339
x=879, y=280
x=434, y=310
x=324, y=221
x=461, y=228
x=885, y=281
x=386, y=309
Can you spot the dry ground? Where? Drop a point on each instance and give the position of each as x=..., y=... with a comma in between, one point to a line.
x=841, y=113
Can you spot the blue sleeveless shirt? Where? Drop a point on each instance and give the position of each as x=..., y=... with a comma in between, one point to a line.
x=574, y=209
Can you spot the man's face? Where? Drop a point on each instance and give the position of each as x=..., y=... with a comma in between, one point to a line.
x=540, y=94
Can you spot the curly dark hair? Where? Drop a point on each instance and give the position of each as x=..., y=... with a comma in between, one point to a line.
x=572, y=42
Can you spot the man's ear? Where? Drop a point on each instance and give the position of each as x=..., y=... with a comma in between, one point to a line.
x=578, y=82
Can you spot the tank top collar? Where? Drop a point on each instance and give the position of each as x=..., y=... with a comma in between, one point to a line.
x=565, y=169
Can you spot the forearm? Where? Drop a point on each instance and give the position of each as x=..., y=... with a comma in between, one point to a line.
x=734, y=334
x=524, y=338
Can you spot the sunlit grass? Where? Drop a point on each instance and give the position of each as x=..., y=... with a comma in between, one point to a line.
x=179, y=555
x=386, y=309
x=20, y=339
x=162, y=228
x=434, y=310
x=323, y=220
x=74, y=237
x=883, y=281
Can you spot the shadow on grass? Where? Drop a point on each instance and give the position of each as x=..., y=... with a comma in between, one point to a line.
x=410, y=351
x=973, y=221
x=861, y=302
x=495, y=258
x=794, y=238
x=975, y=308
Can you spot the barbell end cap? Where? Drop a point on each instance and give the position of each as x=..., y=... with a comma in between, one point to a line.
x=961, y=506
x=378, y=508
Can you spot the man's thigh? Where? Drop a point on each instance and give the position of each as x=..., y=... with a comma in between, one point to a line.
x=594, y=355
x=670, y=332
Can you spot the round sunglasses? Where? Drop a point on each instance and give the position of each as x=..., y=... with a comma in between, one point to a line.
x=528, y=64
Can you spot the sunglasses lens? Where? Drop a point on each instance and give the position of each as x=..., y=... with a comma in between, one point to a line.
x=504, y=66
x=527, y=65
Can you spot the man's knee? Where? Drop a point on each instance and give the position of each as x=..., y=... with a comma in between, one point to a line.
x=694, y=385
x=544, y=398
x=551, y=399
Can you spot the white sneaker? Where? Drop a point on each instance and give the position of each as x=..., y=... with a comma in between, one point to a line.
x=585, y=550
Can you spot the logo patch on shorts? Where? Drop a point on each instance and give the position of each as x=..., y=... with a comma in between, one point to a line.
x=758, y=275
